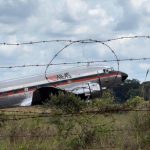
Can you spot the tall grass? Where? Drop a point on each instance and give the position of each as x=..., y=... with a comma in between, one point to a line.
x=127, y=130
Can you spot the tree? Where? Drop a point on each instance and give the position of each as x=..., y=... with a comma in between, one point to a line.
x=129, y=89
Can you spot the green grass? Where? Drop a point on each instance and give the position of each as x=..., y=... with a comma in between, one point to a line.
x=60, y=130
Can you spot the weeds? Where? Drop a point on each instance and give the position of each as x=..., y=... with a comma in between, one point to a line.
x=128, y=130
x=67, y=102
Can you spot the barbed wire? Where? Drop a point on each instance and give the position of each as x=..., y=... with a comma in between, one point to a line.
x=87, y=42
x=71, y=42
x=52, y=135
x=32, y=115
x=92, y=41
x=75, y=63
x=49, y=64
x=76, y=41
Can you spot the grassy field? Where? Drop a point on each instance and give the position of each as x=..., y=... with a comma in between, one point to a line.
x=99, y=125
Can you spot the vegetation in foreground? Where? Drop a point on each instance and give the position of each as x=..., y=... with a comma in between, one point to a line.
x=66, y=122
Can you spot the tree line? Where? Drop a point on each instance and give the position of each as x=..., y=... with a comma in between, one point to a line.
x=131, y=89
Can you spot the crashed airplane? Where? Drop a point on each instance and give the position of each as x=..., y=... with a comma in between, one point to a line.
x=85, y=81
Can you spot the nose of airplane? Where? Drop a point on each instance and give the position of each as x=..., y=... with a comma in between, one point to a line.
x=124, y=76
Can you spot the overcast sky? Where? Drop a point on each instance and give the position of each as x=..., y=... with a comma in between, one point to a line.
x=32, y=20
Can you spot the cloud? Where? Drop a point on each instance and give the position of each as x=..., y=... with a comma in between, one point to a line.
x=144, y=66
x=26, y=20
x=130, y=17
x=12, y=12
x=138, y=3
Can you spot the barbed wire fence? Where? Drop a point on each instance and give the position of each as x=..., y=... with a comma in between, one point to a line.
x=36, y=115
x=75, y=41
x=72, y=42
x=74, y=63
x=32, y=115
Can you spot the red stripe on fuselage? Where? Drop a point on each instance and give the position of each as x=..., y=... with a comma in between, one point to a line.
x=84, y=79
x=65, y=82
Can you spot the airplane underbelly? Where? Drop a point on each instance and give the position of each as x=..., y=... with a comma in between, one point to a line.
x=13, y=100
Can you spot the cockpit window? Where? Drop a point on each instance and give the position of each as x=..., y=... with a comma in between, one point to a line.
x=105, y=70
x=108, y=70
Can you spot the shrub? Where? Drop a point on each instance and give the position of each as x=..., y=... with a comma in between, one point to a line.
x=68, y=102
x=105, y=102
x=77, y=133
x=134, y=102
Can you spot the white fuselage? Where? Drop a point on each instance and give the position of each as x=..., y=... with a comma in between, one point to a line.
x=16, y=92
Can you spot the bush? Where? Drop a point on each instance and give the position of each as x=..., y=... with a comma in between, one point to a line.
x=80, y=132
x=106, y=101
x=134, y=102
x=68, y=102
x=102, y=103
